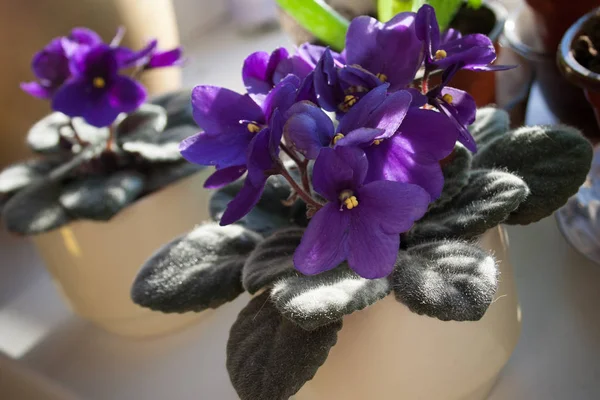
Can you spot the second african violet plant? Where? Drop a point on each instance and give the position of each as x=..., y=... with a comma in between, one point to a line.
x=357, y=184
x=103, y=147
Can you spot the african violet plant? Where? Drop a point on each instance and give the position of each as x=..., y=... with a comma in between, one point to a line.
x=355, y=187
x=102, y=148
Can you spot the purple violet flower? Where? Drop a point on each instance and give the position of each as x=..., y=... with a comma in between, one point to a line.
x=361, y=223
x=262, y=161
x=262, y=71
x=51, y=68
x=474, y=52
x=391, y=51
x=459, y=107
x=96, y=91
x=230, y=122
x=411, y=145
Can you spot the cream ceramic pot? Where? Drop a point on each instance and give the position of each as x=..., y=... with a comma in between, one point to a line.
x=94, y=263
x=386, y=352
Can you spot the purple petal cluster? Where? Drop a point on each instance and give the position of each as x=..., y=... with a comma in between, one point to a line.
x=375, y=137
x=84, y=77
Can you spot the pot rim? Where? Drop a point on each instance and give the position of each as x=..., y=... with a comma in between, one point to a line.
x=568, y=65
x=512, y=39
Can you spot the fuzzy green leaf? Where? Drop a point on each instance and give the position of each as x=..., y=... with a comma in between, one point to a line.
x=319, y=19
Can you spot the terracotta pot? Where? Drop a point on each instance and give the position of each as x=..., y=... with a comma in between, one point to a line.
x=94, y=263
x=588, y=80
x=552, y=18
x=386, y=352
x=565, y=100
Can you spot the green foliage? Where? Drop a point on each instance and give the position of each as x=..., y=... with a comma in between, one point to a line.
x=319, y=19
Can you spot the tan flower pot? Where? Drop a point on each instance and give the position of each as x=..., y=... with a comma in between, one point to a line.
x=95, y=263
x=386, y=352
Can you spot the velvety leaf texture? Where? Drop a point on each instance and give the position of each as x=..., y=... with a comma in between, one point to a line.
x=456, y=176
x=199, y=270
x=164, y=147
x=486, y=201
x=448, y=280
x=101, y=197
x=268, y=215
x=318, y=300
x=490, y=123
x=271, y=259
x=35, y=210
x=270, y=357
x=45, y=135
x=553, y=161
x=144, y=123
x=17, y=176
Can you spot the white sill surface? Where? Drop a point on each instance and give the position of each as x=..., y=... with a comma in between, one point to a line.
x=558, y=356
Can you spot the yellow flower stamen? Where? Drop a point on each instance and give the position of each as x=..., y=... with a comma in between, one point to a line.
x=99, y=82
x=447, y=98
x=349, y=101
x=253, y=128
x=356, y=89
x=376, y=142
x=337, y=137
x=382, y=77
x=440, y=54
x=350, y=201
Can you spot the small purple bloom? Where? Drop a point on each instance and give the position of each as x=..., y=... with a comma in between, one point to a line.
x=391, y=51
x=263, y=161
x=308, y=129
x=51, y=68
x=96, y=91
x=361, y=223
x=474, y=52
x=230, y=122
x=406, y=143
x=459, y=107
x=263, y=71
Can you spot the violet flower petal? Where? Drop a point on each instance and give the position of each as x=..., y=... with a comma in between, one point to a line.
x=394, y=206
x=336, y=170
x=167, y=58
x=101, y=112
x=308, y=129
x=428, y=30
x=224, y=176
x=254, y=73
x=242, y=203
x=36, y=90
x=390, y=48
x=463, y=103
x=328, y=91
x=126, y=94
x=324, y=243
x=358, y=115
x=371, y=252
x=71, y=98
x=360, y=136
x=282, y=96
x=217, y=109
x=85, y=36
x=219, y=149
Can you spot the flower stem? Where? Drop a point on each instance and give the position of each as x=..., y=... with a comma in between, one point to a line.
x=301, y=193
x=425, y=83
x=78, y=138
x=111, y=138
x=302, y=166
